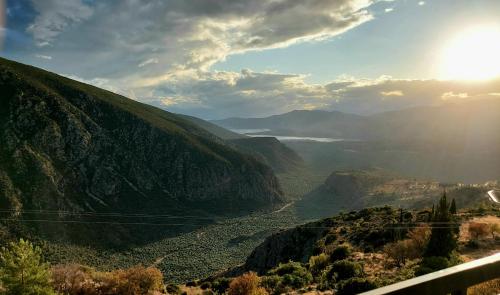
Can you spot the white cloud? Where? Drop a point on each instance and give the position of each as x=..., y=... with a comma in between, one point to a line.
x=389, y=9
x=48, y=57
x=421, y=3
x=148, y=62
x=54, y=16
x=392, y=93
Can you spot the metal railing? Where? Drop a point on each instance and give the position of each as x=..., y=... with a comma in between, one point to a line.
x=454, y=280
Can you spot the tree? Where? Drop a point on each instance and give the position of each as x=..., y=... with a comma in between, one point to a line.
x=22, y=271
x=443, y=238
x=247, y=284
x=453, y=207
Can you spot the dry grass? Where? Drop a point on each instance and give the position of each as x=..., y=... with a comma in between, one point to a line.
x=487, y=288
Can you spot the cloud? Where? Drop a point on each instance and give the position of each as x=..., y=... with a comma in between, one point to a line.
x=48, y=57
x=148, y=61
x=389, y=9
x=392, y=93
x=54, y=16
x=155, y=39
x=421, y=3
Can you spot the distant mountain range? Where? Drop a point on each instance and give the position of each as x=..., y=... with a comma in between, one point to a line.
x=452, y=142
x=70, y=147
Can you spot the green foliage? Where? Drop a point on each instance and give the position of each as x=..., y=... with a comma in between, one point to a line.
x=355, y=286
x=443, y=238
x=293, y=274
x=340, y=253
x=453, y=207
x=318, y=263
x=271, y=283
x=22, y=271
x=173, y=289
x=432, y=264
x=344, y=269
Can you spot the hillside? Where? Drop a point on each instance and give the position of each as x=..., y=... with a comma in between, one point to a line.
x=303, y=123
x=71, y=147
x=213, y=128
x=454, y=142
x=270, y=151
x=358, y=189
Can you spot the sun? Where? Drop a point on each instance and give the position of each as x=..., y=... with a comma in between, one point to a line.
x=473, y=54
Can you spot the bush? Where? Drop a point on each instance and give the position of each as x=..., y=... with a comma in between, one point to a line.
x=478, y=230
x=271, y=283
x=173, y=289
x=220, y=285
x=73, y=279
x=344, y=269
x=355, y=286
x=191, y=284
x=399, y=251
x=78, y=280
x=293, y=274
x=247, y=284
x=432, y=264
x=22, y=270
x=340, y=253
x=318, y=263
x=205, y=285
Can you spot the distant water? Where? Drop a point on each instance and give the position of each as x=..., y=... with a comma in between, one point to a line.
x=254, y=133
x=247, y=131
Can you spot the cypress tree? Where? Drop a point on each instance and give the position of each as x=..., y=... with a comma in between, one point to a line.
x=453, y=207
x=443, y=238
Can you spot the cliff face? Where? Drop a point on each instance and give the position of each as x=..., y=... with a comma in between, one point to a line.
x=69, y=146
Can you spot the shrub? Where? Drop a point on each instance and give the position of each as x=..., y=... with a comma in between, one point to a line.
x=494, y=230
x=420, y=237
x=220, y=285
x=191, y=284
x=399, y=251
x=205, y=285
x=318, y=263
x=247, y=284
x=432, y=264
x=73, y=279
x=22, y=270
x=293, y=274
x=478, y=230
x=344, y=269
x=271, y=283
x=341, y=252
x=355, y=286
x=173, y=289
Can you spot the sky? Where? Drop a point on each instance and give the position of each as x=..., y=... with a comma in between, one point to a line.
x=253, y=58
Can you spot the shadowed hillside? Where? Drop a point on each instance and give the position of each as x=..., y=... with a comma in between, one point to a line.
x=68, y=146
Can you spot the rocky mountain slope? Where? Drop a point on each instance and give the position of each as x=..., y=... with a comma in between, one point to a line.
x=68, y=146
x=270, y=151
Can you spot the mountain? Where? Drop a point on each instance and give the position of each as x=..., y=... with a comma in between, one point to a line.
x=270, y=151
x=213, y=128
x=453, y=142
x=70, y=147
x=303, y=123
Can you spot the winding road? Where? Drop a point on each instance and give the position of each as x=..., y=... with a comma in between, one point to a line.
x=493, y=196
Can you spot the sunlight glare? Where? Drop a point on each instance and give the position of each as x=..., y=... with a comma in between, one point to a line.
x=472, y=55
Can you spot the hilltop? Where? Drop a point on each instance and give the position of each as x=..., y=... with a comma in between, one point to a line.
x=74, y=148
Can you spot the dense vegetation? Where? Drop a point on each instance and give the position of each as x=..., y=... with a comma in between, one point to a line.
x=79, y=155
